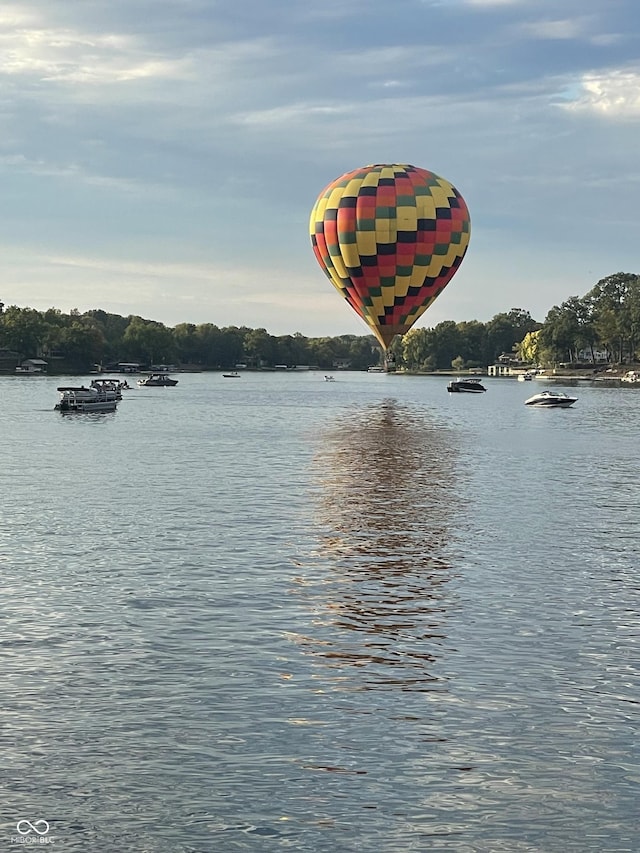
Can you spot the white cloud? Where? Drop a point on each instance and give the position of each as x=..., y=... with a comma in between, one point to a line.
x=30, y=46
x=615, y=94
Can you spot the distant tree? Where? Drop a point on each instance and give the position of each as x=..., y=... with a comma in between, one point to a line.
x=473, y=340
x=208, y=345
x=560, y=331
x=22, y=330
x=292, y=349
x=232, y=343
x=82, y=344
x=506, y=330
x=418, y=349
x=528, y=348
x=113, y=327
x=260, y=347
x=149, y=341
x=186, y=343
x=445, y=343
x=615, y=307
x=363, y=352
x=569, y=329
x=322, y=352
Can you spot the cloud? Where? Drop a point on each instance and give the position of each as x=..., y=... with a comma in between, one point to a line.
x=561, y=28
x=614, y=94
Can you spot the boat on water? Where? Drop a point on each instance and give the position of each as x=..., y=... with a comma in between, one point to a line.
x=551, y=400
x=525, y=377
x=157, y=380
x=467, y=386
x=631, y=377
x=233, y=375
x=82, y=399
x=329, y=379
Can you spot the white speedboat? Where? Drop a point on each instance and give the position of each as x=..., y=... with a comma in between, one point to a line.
x=81, y=399
x=469, y=386
x=551, y=400
x=158, y=380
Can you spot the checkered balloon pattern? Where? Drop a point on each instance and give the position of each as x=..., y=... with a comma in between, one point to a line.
x=390, y=238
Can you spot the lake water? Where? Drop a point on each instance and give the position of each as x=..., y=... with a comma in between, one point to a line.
x=282, y=614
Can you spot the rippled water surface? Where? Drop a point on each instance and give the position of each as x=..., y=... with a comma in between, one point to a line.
x=282, y=614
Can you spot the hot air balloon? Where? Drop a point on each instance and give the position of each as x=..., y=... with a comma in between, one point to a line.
x=390, y=238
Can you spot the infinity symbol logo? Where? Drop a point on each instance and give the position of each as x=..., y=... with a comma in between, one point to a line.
x=40, y=827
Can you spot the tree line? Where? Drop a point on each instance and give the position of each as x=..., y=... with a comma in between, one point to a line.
x=602, y=325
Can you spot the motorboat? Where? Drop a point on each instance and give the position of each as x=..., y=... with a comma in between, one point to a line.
x=82, y=399
x=551, y=400
x=157, y=380
x=468, y=386
x=329, y=379
x=233, y=375
x=525, y=377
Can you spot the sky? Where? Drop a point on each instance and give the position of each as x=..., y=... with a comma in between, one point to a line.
x=161, y=157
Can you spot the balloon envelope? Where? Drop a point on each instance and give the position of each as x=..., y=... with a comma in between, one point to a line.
x=390, y=238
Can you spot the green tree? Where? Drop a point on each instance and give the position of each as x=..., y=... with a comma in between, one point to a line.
x=418, y=349
x=260, y=347
x=560, y=332
x=292, y=349
x=505, y=330
x=23, y=330
x=446, y=344
x=187, y=343
x=113, y=327
x=473, y=342
x=615, y=306
x=232, y=344
x=82, y=344
x=149, y=341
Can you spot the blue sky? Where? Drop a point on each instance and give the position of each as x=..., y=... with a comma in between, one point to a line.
x=161, y=158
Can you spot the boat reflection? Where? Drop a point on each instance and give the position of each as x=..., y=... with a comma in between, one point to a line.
x=386, y=501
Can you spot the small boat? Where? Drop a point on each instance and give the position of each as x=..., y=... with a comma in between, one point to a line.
x=469, y=386
x=525, y=377
x=74, y=399
x=158, y=380
x=551, y=400
x=329, y=379
x=233, y=375
x=632, y=377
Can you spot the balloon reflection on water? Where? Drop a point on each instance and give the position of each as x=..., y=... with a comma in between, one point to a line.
x=385, y=503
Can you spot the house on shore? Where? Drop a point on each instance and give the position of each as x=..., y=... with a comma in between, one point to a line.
x=32, y=365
